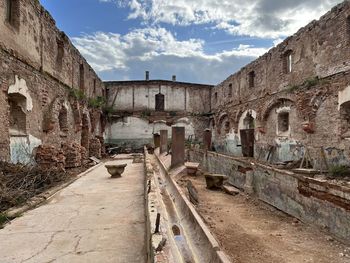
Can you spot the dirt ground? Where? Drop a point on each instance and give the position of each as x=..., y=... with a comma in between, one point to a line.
x=251, y=231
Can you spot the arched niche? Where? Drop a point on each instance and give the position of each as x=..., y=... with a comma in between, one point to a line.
x=224, y=125
x=63, y=119
x=344, y=112
x=18, y=117
x=247, y=120
x=282, y=108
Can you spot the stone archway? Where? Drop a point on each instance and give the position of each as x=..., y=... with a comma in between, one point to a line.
x=246, y=128
x=224, y=125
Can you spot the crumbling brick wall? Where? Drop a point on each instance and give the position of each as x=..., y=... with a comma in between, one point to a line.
x=36, y=55
x=309, y=95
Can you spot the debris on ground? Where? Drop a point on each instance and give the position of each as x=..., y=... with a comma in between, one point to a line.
x=215, y=181
x=18, y=183
x=192, y=192
x=228, y=189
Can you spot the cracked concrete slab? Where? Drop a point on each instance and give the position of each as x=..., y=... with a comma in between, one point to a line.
x=95, y=219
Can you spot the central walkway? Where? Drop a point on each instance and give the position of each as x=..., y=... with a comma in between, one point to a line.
x=95, y=219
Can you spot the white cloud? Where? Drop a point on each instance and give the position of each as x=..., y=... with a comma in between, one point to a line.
x=261, y=18
x=117, y=56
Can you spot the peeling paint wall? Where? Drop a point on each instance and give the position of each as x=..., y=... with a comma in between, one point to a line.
x=22, y=147
x=20, y=87
x=140, y=96
x=134, y=132
x=134, y=118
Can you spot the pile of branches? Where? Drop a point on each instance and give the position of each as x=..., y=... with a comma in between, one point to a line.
x=19, y=183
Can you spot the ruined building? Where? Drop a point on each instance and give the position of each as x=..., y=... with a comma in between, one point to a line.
x=140, y=109
x=293, y=99
x=51, y=97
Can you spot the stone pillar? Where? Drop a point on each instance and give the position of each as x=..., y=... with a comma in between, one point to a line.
x=177, y=146
x=207, y=140
x=163, y=141
x=156, y=140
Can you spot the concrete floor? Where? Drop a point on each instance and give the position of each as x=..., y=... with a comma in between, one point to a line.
x=95, y=219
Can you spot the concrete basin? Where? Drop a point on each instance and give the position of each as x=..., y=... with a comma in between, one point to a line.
x=115, y=170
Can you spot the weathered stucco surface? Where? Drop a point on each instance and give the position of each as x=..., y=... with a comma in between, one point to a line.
x=134, y=117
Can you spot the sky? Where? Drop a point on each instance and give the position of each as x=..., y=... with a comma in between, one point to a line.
x=200, y=41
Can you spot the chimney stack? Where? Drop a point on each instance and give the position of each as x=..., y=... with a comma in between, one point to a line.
x=147, y=75
x=174, y=78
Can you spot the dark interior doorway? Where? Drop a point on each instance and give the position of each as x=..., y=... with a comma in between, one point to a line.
x=159, y=102
x=247, y=142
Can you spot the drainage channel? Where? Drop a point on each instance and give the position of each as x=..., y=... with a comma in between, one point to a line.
x=173, y=222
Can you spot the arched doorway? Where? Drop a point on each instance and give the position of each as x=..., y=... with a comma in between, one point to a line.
x=247, y=132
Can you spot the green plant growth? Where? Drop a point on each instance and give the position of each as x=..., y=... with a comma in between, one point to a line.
x=145, y=113
x=311, y=82
x=97, y=102
x=77, y=94
x=339, y=171
x=291, y=89
x=107, y=109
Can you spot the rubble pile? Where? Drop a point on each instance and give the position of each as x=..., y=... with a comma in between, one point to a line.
x=72, y=152
x=84, y=155
x=103, y=148
x=48, y=156
x=95, y=147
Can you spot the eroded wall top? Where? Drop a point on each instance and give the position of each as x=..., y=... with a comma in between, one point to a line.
x=318, y=50
x=29, y=33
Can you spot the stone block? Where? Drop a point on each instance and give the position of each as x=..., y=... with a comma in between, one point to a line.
x=163, y=141
x=177, y=146
x=156, y=140
x=207, y=140
x=192, y=168
x=215, y=181
x=228, y=189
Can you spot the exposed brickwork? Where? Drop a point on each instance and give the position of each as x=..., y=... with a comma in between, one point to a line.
x=47, y=64
x=48, y=156
x=72, y=152
x=309, y=93
x=95, y=147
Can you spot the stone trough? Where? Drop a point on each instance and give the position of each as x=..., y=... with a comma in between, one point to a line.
x=192, y=168
x=115, y=170
x=215, y=181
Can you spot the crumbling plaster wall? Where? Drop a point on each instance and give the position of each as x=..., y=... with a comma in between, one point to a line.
x=135, y=132
x=29, y=57
x=140, y=95
x=136, y=119
x=314, y=90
